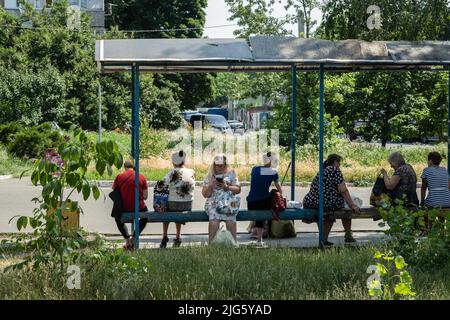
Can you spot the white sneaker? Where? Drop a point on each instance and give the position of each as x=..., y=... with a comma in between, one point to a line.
x=261, y=244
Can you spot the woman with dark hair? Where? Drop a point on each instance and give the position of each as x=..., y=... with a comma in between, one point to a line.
x=436, y=180
x=335, y=195
x=403, y=183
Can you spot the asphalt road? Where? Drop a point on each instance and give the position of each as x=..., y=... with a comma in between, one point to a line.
x=16, y=195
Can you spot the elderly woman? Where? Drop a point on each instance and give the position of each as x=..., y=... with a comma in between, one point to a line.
x=335, y=196
x=436, y=179
x=220, y=178
x=181, y=184
x=403, y=183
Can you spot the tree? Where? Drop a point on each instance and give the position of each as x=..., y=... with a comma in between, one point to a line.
x=256, y=17
x=394, y=106
x=167, y=19
x=306, y=7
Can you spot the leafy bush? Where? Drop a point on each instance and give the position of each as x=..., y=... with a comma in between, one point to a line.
x=8, y=130
x=390, y=279
x=422, y=237
x=61, y=169
x=152, y=142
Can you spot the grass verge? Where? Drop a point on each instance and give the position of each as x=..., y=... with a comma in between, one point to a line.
x=10, y=164
x=218, y=273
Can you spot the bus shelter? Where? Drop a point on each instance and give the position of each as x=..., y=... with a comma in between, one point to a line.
x=266, y=54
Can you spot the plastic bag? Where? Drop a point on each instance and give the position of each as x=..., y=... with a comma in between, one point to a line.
x=224, y=238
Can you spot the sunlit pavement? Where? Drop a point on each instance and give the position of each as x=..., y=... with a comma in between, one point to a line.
x=303, y=240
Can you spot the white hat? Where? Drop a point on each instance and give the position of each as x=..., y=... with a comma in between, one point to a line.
x=268, y=157
x=178, y=157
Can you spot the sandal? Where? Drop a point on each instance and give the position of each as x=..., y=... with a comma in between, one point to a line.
x=164, y=242
x=176, y=242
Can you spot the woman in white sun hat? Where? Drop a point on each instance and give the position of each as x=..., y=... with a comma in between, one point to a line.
x=181, y=184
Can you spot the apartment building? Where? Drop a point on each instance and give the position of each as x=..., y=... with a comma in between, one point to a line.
x=95, y=8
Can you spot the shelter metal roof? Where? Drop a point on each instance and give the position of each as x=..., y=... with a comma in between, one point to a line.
x=268, y=53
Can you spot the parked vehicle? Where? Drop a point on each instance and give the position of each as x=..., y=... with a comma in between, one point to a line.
x=216, y=122
x=237, y=126
x=188, y=113
x=219, y=111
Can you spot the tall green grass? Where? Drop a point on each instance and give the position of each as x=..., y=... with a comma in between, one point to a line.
x=199, y=273
x=10, y=164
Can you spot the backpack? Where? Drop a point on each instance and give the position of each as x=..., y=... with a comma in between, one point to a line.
x=160, y=197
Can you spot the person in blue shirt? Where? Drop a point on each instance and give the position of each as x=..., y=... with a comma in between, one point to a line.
x=259, y=197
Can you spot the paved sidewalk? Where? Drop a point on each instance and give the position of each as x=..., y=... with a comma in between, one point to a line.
x=303, y=240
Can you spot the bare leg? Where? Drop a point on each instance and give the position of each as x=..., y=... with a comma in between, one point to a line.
x=212, y=228
x=232, y=227
x=259, y=233
x=347, y=224
x=327, y=224
x=178, y=226
x=165, y=228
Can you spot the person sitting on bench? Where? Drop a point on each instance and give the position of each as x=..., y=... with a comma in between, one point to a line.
x=403, y=183
x=181, y=184
x=259, y=197
x=220, y=176
x=436, y=180
x=126, y=184
x=335, y=194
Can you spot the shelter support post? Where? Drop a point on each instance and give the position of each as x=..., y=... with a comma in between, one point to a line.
x=133, y=142
x=321, y=167
x=448, y=126
x=293, y=129
x=136, y=149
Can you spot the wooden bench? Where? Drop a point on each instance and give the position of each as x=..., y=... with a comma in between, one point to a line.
x=252, y=215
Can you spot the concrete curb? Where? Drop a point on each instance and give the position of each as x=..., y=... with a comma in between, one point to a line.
x=6, y=177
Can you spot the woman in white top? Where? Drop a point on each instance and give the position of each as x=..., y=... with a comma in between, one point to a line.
x=181, y=184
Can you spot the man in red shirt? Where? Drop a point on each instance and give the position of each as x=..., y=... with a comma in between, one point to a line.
x=126, y=184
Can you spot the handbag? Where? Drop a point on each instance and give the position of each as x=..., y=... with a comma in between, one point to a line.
x=223, y=202
x=379, y=190
x=116, y=198
x=280, y=228
x=161, y=197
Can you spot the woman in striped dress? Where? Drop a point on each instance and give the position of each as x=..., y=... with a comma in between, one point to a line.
x=436, y=180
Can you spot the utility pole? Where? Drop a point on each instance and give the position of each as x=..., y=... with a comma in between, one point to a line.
x=301, y=24
x=99, y=113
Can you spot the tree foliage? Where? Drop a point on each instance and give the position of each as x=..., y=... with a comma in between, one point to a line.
x=167, y=19
x=393, y=106
x=49, y=74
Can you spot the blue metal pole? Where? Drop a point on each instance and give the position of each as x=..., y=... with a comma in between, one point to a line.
x=448, y=127
x=321, y=168
x=293, y=129
x=133, y=142
x=136, y=158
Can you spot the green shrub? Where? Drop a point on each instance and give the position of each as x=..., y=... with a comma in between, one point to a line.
x=8, y=130
x=31, y=143
x=421, y=237
x=152, y=142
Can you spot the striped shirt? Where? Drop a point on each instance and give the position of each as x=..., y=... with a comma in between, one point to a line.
x=438, y=192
